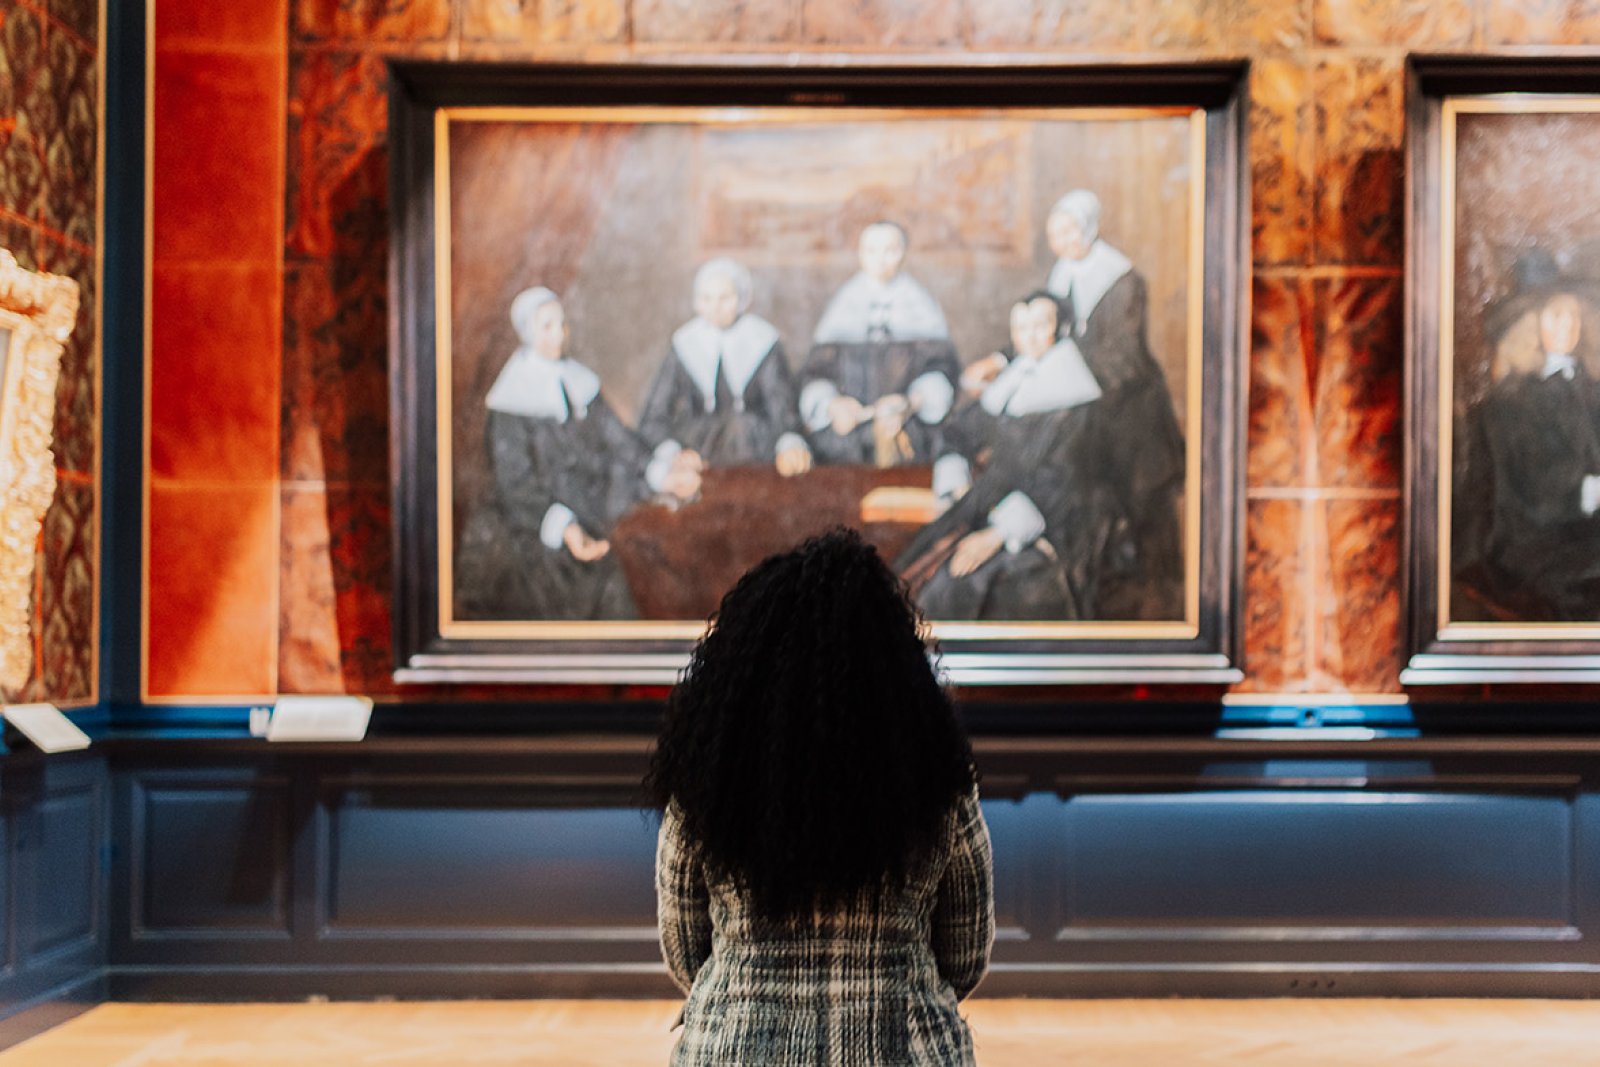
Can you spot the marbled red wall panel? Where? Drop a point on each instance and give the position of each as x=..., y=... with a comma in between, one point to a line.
x=50, y=68
x=213, y=589
x=1323, y=518
x=216, y=320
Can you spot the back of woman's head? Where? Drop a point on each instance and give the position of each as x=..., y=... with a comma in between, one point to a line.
x=809, y=747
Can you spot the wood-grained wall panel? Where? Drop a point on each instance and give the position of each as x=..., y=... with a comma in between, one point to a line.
x=528, y=871
x=212, y=856
x=54, y=835
x=1369, y=859
x=477, y=858
x=65, y=831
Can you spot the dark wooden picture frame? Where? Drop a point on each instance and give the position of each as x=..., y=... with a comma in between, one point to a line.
x=1473, y=269
x=423, y=94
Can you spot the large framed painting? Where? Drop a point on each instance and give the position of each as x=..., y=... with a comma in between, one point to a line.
x=651, y=324
x=1504, y=369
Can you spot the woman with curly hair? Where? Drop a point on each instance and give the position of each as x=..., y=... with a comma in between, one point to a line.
x=823, y=875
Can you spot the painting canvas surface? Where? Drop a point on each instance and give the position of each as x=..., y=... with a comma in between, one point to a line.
x=1524, y=393
x=983, y=397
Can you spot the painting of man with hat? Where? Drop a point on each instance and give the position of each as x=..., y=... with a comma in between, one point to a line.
x=1526, y=523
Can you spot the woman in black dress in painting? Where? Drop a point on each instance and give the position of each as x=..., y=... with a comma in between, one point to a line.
x=724, y=395
x=1026, y=539
x=564, y=468
x=880, y=378
x=1103, y=306
x=1526, y=524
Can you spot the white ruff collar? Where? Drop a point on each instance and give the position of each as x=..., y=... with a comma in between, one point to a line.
x=531, y=385
x=901, y=306
x=740, y=348
x=1088, y=279
x=1057, y=380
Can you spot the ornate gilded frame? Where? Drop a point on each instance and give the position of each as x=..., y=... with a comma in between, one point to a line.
x=37, y=313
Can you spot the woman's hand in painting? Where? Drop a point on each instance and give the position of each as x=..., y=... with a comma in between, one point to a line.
x=793, y=461
x=584, y=549
x=683, y=479
x=845, y=413
x=890, y=413
x=981, y=373
x=974, y=550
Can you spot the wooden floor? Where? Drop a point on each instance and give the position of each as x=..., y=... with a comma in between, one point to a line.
x=1009, y=1033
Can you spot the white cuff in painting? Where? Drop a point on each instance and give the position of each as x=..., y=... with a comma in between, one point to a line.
x=553, y=530
x=789, y=441
x=660, y=465
x=951, y=477
x=932, y=394
x=1018, y=521
x=814, y=401
x=1589, y=494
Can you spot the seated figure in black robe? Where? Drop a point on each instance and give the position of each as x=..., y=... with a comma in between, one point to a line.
x=724, y=395
x=564, y=469
x=879, y=381
x=1103, y=307
x=1526, y=541
x=1024, y=540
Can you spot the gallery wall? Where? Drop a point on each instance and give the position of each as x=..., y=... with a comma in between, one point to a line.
x=269, y=400
x=50, y=71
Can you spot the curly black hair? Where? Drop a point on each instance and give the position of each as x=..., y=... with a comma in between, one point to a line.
x=810, y=748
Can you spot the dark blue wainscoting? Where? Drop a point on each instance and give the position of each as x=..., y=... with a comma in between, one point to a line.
x=519, y=866
x=54, y=837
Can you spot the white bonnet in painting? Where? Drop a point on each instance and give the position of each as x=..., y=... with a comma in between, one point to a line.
x=523, y=306
x=1084, y=208
x=731, y=269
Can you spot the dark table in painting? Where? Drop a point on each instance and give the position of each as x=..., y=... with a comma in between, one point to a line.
x=679, y=562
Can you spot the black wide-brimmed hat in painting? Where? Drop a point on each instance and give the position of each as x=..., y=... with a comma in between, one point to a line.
x=1536, y=279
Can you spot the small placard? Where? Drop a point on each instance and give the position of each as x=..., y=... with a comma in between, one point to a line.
x=319, y=718
x=46, y=727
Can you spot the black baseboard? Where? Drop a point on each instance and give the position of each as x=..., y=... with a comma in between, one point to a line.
x=291, y=983
x=1301, y=981
x=227, y=985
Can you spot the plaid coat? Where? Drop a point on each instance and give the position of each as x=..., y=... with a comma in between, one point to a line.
x=875, y=984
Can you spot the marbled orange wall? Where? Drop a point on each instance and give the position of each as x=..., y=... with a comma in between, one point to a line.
x=1322, y=596
x=50, y=70
x=216, y=321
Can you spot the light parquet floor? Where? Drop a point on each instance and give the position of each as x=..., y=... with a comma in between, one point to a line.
x=1008, y=1033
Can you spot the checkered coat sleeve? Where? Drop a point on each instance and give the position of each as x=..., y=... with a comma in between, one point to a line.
x=962, y=924
x=875, y=983
x=683, y=903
